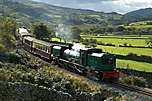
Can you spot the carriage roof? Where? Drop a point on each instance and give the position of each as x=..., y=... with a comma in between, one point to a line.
x=38, y=41
x=24, y=32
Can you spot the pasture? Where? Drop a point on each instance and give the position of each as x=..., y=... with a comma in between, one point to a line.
x=129, y=64
x=120, y=40
x=117, y=37
x=57, y=39
x=126, y=50
x=139, y=26
x=132, y=42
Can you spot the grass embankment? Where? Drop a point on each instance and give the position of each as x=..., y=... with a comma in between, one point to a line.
x=33, y=70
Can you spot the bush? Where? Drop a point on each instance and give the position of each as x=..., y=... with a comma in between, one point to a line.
x=125, y=44
x=132, y=54
x=136, y=81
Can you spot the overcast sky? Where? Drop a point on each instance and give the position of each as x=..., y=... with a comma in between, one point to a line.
x=120, y=6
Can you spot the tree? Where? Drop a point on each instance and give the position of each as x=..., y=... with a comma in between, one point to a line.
x=109, y=29
x=40, y=30
x=75, y=33
x=120, y=28
x=149, y=41
x=7, y=32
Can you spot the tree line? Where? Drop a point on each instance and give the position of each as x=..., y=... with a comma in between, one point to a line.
x=42, y=31
x=117, y=30
x=7, y=32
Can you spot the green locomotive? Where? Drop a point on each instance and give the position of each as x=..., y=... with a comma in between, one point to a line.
x=90, y=61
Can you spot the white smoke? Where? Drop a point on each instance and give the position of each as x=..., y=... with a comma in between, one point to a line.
x=77, y=46
x=64, y=32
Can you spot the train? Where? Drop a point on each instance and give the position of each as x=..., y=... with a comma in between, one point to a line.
x=87, y=61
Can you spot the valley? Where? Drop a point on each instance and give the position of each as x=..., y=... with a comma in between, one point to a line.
x=54, y=53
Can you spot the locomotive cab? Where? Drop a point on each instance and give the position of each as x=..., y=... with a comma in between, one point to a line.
x=102, y=61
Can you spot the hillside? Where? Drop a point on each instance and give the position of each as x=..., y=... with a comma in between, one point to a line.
x=27, y=11
x=138, y=15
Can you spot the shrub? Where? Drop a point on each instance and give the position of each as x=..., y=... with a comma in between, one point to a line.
x=136, y=81
x=130, y=45
x=125, y=44
x=132, y=54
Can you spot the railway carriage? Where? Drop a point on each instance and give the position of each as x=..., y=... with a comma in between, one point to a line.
x=27, y=43
x=42, y=48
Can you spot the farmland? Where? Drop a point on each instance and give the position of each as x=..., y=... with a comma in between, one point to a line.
x=56, y=39
x=125, y=50
x=131, y=40
x=120, y=40
x=129, y=64
x=139, y=27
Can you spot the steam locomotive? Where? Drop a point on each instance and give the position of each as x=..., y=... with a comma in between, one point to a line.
x=88, y=61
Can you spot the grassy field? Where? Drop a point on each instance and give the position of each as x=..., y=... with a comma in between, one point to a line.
x=139, y=26
x=56, y=39
x=117, y=37
x=120, y=40
x=133, y=42
x=124, y=50
x=140, y=66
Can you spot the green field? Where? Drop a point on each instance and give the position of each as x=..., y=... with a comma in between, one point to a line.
x=133, y=42
x=129, y=64
x=125, y=51
x=120, y=40
x=117, y=37
x=139, y=26
x=56, y=39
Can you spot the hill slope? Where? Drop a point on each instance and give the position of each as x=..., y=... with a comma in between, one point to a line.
x=138, y=15
x=27, y=11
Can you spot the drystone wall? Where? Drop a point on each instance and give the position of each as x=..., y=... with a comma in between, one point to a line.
x=31, y=92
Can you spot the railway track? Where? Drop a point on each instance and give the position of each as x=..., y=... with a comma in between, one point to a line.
x=133, y=88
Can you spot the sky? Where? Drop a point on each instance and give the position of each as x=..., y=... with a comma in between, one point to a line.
x=119, y=6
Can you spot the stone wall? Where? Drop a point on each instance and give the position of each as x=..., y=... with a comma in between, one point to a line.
x=30, y=92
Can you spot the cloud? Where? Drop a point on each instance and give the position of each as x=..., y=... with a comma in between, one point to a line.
x=121, y=6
